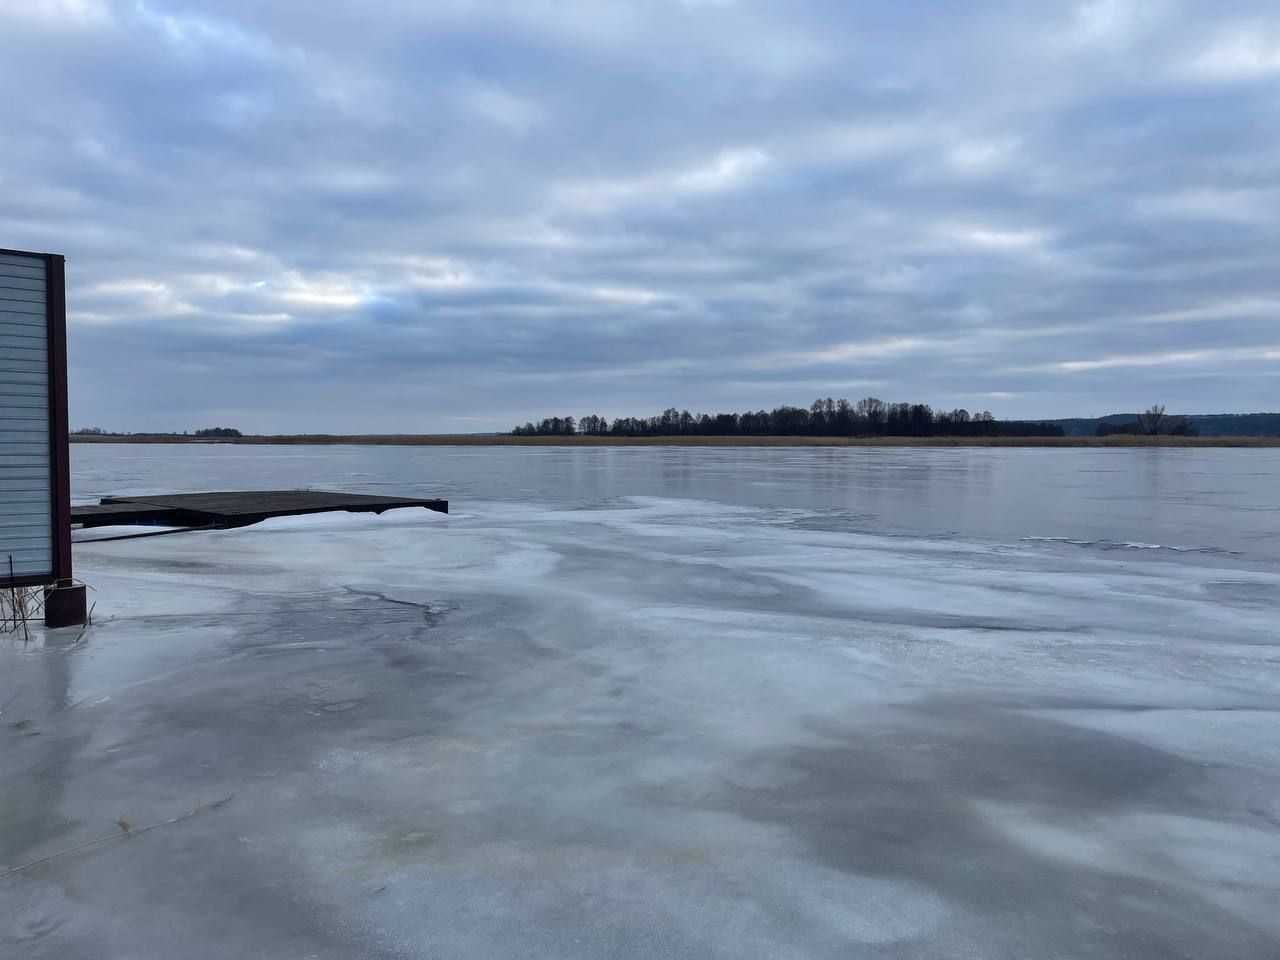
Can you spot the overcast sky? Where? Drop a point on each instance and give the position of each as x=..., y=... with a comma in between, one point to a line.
x=453, y=215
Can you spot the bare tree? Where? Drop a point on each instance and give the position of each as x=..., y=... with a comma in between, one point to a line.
x=1151, y=421
x=871, y=410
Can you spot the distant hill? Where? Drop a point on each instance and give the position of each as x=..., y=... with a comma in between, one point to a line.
x=1208, y=424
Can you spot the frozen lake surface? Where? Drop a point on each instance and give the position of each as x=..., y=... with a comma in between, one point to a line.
x=672, y=702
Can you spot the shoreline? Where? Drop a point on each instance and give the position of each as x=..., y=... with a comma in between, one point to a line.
x=500, y=440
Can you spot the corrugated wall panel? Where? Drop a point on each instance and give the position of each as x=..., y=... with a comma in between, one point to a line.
x=20, y=311
x=29, y=380
x=25, y=495
x=24, y=501
x=20, y=326
x=23, y=400
x=28, y=273
x=10, y=282
x=21, y=512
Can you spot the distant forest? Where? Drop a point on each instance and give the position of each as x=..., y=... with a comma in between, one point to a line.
x=1202, y=424
x=823, y=418
x=206, y=433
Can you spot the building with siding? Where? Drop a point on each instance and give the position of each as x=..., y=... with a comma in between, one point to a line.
x=35, y=495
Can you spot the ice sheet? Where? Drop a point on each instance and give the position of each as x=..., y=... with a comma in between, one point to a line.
x=650, y=727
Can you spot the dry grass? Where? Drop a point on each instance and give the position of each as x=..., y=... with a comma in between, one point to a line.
x=20, y=606
x=482, y=440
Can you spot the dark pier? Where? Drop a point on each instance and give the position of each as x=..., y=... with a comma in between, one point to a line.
x=225, y=510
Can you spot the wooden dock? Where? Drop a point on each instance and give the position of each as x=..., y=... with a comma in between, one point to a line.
x=237, y=508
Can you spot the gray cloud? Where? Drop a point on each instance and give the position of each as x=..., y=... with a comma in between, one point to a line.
x=449, y=216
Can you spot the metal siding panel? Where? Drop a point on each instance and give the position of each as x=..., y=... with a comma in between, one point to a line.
x=37, y=472
x=23, y=349
x=23, y=500
x=23, y=316
x=29, y=273
x=20, y=384
x=26, y=351
x=33, y=542
x=19, y=369
x=22, y=537
x=33, y=284
x=24, y=507
x=21, y=514
x=16, y=293
x=15, y=341
x=10, y=295
x=23, y=474
x=25, y=550
x=33, y=329
x=24, y=395
x=26, y=559
x=27, y=564
x=29, y=558
x=21, y=497
x=12, y=372
x=20, y=451
x=19, y=260
x=24, y=515
x=18, y=306
x=12, y=344
x=24, y=453
x=13, y=305
x=31, y=546
x=42, y=521
x=36, y=406
x=33, y=537
x=29, y=360
x=26, y=357
x=26, y=533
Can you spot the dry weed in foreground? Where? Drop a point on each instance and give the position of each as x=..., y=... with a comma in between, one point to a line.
x=18, y=607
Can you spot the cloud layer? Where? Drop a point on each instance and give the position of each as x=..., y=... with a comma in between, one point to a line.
x=457, y=215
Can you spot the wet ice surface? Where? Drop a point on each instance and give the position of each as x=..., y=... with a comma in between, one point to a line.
x=645, y=726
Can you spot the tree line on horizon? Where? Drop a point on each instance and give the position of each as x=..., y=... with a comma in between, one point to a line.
x=217, y=433
x=823, y=418
x=1152, y=422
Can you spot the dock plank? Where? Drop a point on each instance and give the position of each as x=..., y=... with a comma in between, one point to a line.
x=236, y=508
